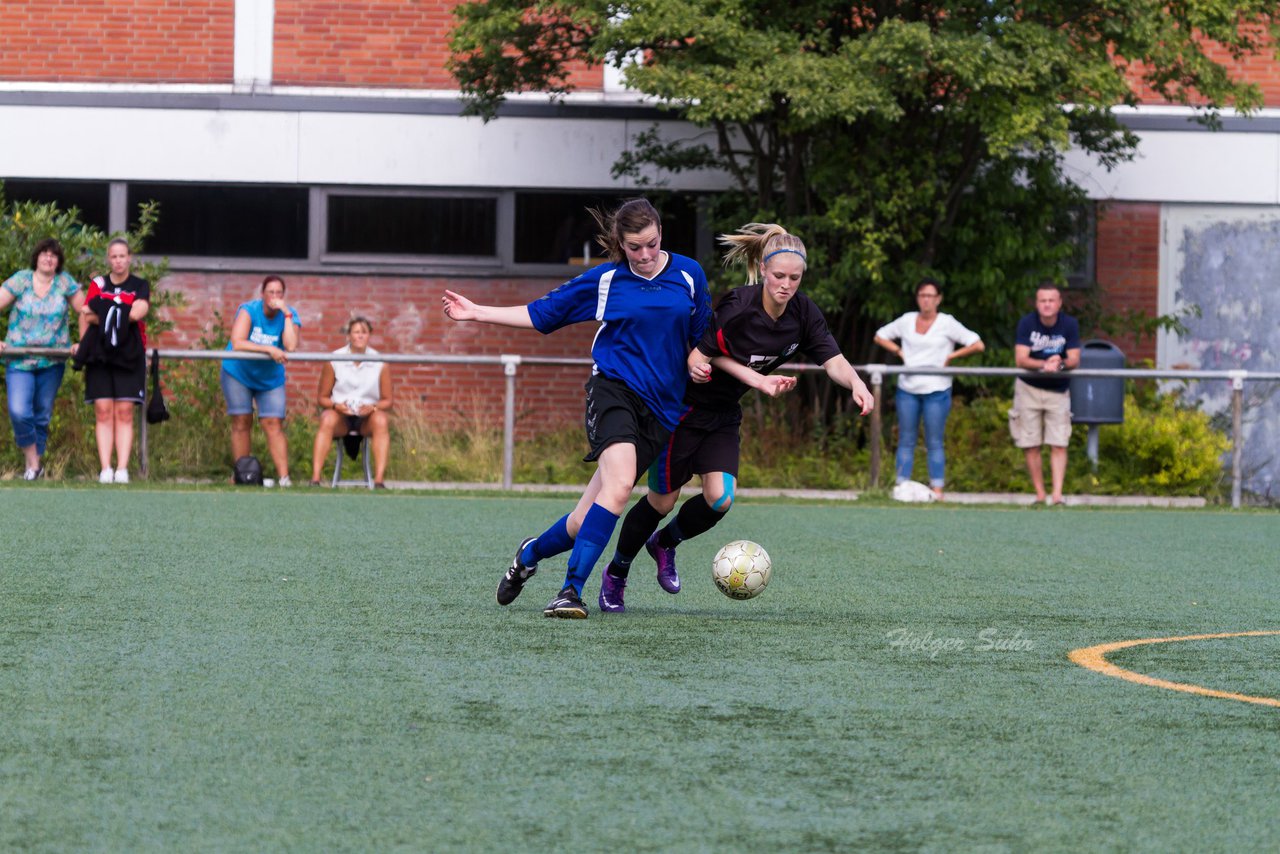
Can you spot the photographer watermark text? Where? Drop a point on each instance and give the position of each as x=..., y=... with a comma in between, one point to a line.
x=988, y=640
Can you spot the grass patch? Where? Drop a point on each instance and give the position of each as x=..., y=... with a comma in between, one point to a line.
x=217, y=669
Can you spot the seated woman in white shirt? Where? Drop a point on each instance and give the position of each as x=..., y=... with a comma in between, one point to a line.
x=355, y=398
x=924, y=339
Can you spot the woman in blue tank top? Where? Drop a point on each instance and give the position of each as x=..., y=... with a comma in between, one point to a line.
x=265, y=325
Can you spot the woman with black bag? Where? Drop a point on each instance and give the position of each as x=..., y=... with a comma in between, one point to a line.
x=113, y=353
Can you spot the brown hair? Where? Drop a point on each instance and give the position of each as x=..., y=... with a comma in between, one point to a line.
x=355, y=319
x=755, y=242
x=631, y=217
x=272, y=278
x=48, y=245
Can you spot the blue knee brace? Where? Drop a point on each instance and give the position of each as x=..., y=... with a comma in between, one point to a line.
x=723, y=502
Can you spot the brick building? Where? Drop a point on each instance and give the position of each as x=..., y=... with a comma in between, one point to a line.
x=323, y=142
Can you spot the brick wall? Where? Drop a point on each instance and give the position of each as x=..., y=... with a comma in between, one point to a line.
x=370, y=43
x=1128, y=267
x=407, y=318
x=151, y=41
x=1261, y=69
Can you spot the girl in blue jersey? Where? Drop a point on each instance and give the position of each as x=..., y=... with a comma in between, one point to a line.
x=270, y=326
x=652, y=307
x=755, y=330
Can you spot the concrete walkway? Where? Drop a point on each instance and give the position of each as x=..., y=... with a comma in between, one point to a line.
x=1014, y=498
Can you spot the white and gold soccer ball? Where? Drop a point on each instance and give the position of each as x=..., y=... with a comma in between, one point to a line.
x=741, y=569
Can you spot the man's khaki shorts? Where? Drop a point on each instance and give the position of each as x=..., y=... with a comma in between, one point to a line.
x=1039, y=417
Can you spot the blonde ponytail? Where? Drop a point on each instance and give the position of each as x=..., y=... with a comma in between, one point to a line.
x=755, y=243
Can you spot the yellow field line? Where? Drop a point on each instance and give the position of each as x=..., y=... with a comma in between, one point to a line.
x=1095, y=658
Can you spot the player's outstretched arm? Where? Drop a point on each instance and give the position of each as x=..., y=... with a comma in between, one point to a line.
x=771, y=385
x=842, y=373
x=458, y=307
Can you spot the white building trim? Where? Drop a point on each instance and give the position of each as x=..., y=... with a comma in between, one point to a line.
x=254, y=40
x=375, y=149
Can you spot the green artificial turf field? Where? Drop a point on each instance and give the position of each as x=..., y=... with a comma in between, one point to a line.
x=239, y=671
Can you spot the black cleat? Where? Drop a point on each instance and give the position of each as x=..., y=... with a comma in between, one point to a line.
x=566, y=606
x=516, y=575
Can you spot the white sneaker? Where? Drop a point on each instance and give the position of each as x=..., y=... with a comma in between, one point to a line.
x=106, y=475
x=122, y=475
x=285, y=481
x=30, y=474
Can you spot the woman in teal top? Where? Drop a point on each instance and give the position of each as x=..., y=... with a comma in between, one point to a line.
x=265, y=325
x=40, y=298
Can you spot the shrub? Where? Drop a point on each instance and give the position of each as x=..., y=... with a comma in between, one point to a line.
x=1164, y=447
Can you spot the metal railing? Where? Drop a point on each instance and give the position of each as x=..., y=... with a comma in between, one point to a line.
x=877, y=372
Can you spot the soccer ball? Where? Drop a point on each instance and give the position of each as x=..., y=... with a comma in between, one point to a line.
x=741, y=569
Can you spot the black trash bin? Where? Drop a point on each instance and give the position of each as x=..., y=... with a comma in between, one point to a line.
x=1098, y=400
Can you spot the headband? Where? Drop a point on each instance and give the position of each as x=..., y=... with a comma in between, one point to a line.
x=780, y=251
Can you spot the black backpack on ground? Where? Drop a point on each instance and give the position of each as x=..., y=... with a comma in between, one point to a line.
x=248, y=470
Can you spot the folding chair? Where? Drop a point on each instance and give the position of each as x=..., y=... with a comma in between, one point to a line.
x=341, y=445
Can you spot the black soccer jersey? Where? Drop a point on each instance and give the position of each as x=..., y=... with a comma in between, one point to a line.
x=742, y=330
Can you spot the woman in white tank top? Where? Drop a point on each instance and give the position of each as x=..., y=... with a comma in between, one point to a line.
x=355, y=397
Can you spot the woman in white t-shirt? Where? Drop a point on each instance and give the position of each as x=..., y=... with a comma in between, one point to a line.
x=925, y=338
x=355, y=397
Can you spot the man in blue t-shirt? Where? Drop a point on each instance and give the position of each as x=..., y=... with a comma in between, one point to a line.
x=1047, y=341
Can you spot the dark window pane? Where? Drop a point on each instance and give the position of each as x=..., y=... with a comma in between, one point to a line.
x=226, y=221
x=413, y=225
x=553, y=228
x=91, y=197
x=1081, y=269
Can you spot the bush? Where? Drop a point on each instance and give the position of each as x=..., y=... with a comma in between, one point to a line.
x=1164, y=447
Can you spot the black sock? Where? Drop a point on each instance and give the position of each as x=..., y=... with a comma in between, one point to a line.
x=640, y=523
x=695, y=517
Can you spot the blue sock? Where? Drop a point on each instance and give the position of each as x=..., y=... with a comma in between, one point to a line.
x=550, y=543
x=593, y=536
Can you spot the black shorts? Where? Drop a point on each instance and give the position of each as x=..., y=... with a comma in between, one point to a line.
x=616, y=414
x=354, y=438
x=704, y=441
x=115, y=382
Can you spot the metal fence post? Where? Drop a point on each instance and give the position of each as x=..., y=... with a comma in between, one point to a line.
x=144, y=459
x=1237, y=433
x=877, y=387
x=509, y=364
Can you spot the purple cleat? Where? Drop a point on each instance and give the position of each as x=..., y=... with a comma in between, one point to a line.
x=612, y=589
x=668, y=578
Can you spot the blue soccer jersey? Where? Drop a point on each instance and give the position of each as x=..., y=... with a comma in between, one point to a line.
x=647, y=326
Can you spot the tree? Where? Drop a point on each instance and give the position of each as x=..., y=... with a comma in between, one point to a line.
x=24, y=224
x=897, y=138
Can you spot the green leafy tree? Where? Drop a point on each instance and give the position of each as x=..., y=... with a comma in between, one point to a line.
x=898, y=138
x=24, y=224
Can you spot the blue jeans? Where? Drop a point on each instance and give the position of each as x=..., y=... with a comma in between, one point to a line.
x=240, y=398
x=31, y=395
x=935, y=407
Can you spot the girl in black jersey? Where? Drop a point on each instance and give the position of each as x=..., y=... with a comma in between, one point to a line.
x=113, y=353
x=755, y=329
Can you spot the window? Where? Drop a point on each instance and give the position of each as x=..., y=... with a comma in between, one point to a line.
x=208, y=226
x=555, y=228
x=91, y=197
x=394, y=224
x=221, y=220
x=1082, y=268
